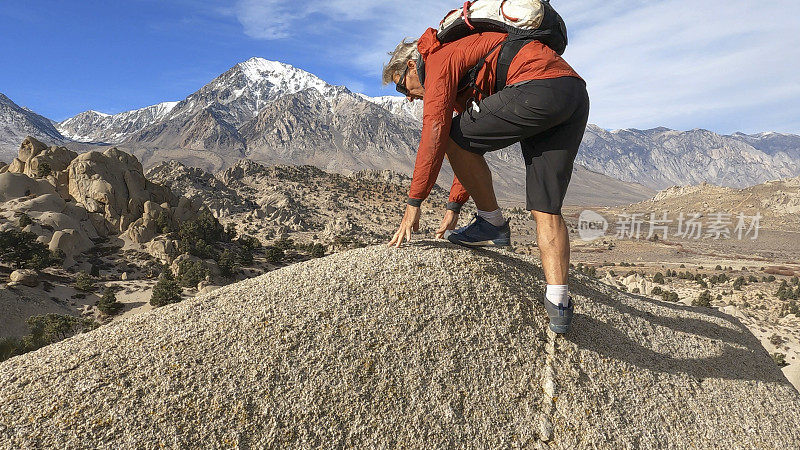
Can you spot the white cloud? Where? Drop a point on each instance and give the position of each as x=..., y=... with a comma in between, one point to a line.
x=720, y=64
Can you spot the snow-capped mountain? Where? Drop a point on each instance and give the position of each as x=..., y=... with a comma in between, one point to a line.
x=274, y=112
x=17, y=122
x=243, y=90
x=398, y=105
x=235, y=97
x=93, y=126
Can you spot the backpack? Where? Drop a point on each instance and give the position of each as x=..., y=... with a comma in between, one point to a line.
x=523, y=20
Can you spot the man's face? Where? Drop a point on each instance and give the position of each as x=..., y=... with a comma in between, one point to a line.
x=411, y=82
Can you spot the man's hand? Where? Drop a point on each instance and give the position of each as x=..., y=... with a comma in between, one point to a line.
x=410, y=222
x=449, y=222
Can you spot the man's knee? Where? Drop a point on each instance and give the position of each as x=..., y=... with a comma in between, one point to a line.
x=545, y=219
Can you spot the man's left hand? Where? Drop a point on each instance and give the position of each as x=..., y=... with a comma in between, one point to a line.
x=410, y=223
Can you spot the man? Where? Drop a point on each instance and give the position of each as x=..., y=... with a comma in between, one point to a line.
x=544, y=106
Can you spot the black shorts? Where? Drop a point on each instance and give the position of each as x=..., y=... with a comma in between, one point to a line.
x=547, y=118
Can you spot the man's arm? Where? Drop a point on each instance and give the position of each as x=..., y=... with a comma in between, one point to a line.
x=444, y=70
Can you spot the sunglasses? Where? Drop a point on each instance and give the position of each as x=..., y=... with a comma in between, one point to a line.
x=401, y=84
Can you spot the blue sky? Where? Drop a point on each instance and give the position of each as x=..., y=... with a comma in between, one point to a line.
x=723, y=65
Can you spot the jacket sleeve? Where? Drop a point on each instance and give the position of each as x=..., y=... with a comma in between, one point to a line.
x=457, y=193
x=443, y=69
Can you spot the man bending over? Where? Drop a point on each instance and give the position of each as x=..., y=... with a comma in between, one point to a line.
x=542, y=103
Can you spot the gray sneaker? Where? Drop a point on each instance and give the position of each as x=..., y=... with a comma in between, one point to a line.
x=560, y=316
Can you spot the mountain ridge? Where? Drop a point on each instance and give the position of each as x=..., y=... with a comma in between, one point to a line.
x=218, y=124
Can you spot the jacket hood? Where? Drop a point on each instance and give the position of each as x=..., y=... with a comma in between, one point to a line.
x=428, y=43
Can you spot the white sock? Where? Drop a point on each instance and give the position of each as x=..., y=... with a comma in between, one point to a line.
x=558, y=294
x=493, y=217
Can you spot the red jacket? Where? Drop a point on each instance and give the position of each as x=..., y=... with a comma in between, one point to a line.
x=445, y=64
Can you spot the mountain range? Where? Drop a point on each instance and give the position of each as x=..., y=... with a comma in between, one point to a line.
x=275, y=113
x=17, y=122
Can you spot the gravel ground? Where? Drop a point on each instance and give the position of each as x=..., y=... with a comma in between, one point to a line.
x=425, y=346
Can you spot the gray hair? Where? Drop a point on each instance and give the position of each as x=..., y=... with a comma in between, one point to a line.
x=405, y=52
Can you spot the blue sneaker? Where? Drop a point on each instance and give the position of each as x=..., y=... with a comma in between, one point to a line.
x=560, y=316
x=480, y=233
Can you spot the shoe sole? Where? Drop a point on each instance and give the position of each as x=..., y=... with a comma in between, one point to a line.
x=560, y=329
x=496, y=242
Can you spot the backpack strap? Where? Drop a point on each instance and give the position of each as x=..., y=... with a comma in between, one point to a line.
x=511, y=47
x=468, y=80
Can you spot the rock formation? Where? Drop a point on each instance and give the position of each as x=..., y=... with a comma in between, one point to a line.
x=424, y=346
x=25, y=277
x=72, y=200
x=112, y=183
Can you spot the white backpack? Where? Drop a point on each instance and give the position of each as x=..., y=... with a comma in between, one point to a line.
x=521, y=19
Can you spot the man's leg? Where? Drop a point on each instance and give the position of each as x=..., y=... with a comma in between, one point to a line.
x=474, y=174
x=553, y=241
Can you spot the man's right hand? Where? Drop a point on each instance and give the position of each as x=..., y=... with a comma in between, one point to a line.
x=449, y=222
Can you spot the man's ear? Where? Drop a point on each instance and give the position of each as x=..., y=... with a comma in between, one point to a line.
x=412, y=64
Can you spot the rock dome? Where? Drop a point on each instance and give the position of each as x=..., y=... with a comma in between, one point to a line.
x=423, y=346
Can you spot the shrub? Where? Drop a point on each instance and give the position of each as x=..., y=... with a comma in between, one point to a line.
x=669, y=296
x=50, y=328
x=199, y=235
x=656, y=290
x=163, y=223
x=9, y=347
x=108, y=303
x=94, y=270
x=718, y=267
x=84, y=282
x=230, y=231
x=780, y=359
x=245, y=255
x=703, y=299
x=284, y=244
x=190, y=273
x=166, y=290
x=784, y=292
x=25, y=220
x=227, y=263
x=776, y=340
x=23, y=251
x=737, y=285
x=43, y=170
x=44, y=330
x=658, y=278
x=274, y=255
x=317, y=250
x=250, y=242
x=752, y=279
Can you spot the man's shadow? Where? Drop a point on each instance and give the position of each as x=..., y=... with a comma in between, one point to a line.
x=743, y=357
